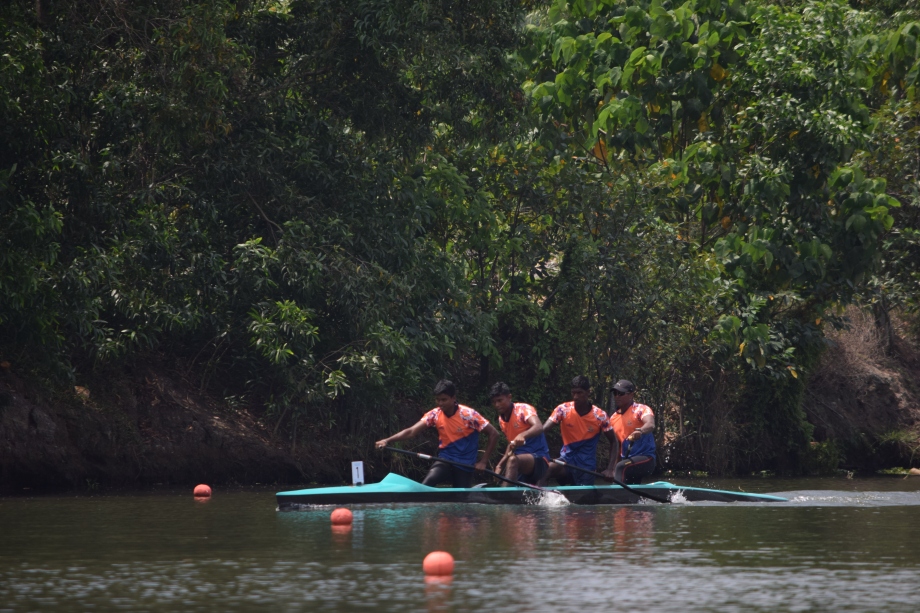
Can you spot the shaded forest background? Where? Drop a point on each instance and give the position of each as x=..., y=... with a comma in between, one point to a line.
x=293, y=217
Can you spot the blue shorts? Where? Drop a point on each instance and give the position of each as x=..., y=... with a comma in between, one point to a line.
x=540, y=466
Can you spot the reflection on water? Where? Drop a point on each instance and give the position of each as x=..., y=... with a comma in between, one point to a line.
x=832, y=548
x=437, y=593
x=634, y=530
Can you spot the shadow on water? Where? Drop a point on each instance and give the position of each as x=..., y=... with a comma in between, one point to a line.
x=838, y=545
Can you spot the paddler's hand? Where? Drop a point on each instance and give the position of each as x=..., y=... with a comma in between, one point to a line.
x=608, y=474
x=480, y=465
x=518, y=441
x=635, y=436
x=381, y=443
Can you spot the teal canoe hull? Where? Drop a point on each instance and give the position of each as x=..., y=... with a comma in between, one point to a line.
x=398, y=489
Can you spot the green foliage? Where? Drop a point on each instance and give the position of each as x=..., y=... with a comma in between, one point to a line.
x=751, y=114
x=822, y=458
x=894, y=156
x=243, y=188
x=327, y=206
x=580, y=276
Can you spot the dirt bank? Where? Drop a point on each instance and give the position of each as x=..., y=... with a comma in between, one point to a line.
x=864, y=398
x=139, y=426
x=142, y=429
x=150, y=425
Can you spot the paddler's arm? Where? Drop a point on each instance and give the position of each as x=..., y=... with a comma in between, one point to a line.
x=403, y=435
x=648, y=425
x=492, y=433
x=614, y=452
x=535, y=430
x=549, y=422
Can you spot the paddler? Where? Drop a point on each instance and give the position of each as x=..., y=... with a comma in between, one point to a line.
x=634, y=426
x=458, y=437
x=582, y=424
x=527, y=456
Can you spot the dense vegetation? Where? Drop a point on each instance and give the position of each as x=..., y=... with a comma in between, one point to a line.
x=318, y=208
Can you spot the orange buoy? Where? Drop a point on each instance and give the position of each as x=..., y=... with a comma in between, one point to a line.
x=438, y=564
x=341, y=517
x=202, y=491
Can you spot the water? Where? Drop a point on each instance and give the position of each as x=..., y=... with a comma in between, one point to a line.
x=839, y=545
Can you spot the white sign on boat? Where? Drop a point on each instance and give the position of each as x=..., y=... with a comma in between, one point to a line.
x=357, y=473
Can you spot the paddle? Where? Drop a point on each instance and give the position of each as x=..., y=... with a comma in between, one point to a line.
x=617, y=481
x=425, y=456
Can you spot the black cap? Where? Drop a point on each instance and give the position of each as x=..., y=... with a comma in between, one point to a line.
x=624, y=386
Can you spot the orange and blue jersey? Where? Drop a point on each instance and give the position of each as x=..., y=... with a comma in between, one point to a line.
x=579, y=433
x=517, y=424
x=628, y=422
x=458, y=435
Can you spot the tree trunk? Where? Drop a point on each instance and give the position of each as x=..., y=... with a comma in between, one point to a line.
x=882, y=314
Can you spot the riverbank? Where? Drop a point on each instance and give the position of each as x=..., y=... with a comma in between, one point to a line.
x=137, y=431
x=864, y=397
x=151, y=425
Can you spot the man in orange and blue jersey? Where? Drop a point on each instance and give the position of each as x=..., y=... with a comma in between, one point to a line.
x=581, y=423
x=458, y=429
x=634, y=425
x=527, y=457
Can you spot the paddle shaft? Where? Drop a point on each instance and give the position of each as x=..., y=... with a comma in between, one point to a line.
x=617, y=481
x=425, y=456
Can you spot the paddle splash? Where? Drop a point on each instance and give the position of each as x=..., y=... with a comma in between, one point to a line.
x=549, y=498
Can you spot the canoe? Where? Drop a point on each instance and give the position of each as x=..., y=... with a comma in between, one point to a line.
x=399, y=489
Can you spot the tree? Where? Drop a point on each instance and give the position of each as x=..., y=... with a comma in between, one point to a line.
x=243, y=187
x=753, y=113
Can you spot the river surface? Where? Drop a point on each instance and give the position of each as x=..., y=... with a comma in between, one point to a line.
x=838, y=545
